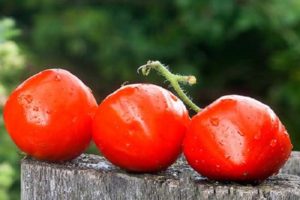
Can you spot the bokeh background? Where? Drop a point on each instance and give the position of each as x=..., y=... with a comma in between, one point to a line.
x=247, y=47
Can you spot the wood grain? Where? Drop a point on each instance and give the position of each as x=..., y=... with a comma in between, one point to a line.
x=91, y=177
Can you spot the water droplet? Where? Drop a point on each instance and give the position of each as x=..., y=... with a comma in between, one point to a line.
x=48, y=112
x=245, y=174
x=71, y=92
x=35, y=108
x=193, y=150
x=28, y=98
x=240, y=133
x=57, y=77
x=74, y=119
x=221, y=142
x=196, y=161
x=214, y=121
x=218, y=168
x=257, y=136
x=174, y=97
x=273, y=143
x=130, y=133
x=127, y=144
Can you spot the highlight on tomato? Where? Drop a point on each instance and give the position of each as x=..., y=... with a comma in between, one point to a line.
x=49, y=115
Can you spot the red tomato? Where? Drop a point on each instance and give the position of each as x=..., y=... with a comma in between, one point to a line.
x=49, y=116
x=237, y=138
x=140, y=127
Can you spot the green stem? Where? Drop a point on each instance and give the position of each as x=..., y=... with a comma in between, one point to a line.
x=173, y=79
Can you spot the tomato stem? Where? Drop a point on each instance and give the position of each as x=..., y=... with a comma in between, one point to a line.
x=174, y=80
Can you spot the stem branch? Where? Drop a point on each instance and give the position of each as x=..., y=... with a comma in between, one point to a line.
x=174, y=80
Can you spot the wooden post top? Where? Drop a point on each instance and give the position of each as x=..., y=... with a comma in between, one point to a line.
x=91, y=177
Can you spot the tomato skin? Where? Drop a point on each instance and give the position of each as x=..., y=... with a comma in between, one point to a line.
x=49, y=115
x=236, y=138
x=140, y=127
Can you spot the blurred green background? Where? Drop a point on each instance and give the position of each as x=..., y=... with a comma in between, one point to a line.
x=247, y=47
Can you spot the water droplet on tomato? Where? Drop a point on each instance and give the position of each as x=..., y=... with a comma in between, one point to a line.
x=218, y=167
x=174, y=97
x=71, y=92
x=273, y=143
x=35, y=108
x=28, y=98
x=257, y=136
x=57, y=77
x=214, y=121
x=127, y=145
x=131, y=133
x=221, y=142
x=240, y=133
x=74, y=119
x=245, y=174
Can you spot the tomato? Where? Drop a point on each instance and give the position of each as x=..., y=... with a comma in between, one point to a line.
x=236, y=138
x=140, y=127
x=49, y=116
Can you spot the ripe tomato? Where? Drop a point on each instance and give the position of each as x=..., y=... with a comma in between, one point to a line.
x=49, y=116
x=236, y=138
x=140, y=127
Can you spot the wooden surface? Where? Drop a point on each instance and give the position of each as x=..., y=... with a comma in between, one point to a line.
x=91, y=177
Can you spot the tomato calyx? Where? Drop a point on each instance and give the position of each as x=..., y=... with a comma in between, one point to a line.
x=174, y=80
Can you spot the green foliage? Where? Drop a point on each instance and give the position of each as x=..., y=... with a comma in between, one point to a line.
x=7, y=29
x=11, y=60
x=6, y=179
x=11, y=65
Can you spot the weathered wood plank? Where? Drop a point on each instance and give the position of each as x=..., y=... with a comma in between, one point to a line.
x=91, y=177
